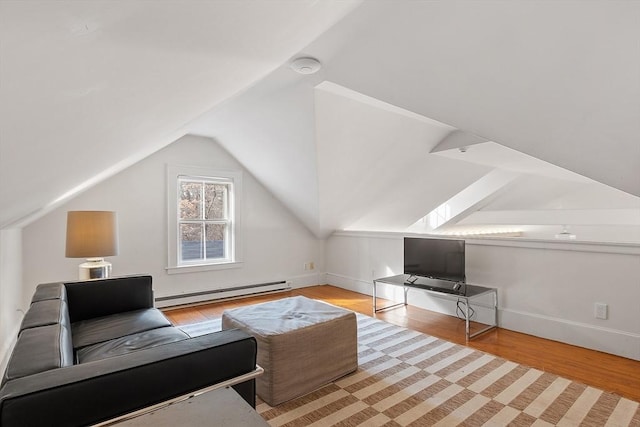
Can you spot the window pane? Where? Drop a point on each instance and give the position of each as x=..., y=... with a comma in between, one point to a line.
x=191, y=242
x=190, y=200
x=216, y=236
x=215, y=201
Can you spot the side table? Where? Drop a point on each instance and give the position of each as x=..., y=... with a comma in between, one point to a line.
x=222, y=407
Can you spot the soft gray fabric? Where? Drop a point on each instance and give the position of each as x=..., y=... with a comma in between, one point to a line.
x=46, y=312
x=93, y=331
x=284, y=315
x=302, y=344
x=39, y=350
x=47, y=291
x=129, y=343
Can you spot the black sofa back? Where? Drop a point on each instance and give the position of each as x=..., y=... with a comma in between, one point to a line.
x=103, y=297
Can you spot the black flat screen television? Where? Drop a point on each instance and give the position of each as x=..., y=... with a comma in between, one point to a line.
x=434, y=258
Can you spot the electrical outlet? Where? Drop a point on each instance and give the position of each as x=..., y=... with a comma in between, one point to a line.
x=601, y=310
x=308, y=266
x=312, y=266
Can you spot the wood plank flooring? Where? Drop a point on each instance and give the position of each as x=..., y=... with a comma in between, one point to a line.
x=611, y=373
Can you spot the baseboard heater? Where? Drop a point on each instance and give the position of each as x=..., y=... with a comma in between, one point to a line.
x=225, y=293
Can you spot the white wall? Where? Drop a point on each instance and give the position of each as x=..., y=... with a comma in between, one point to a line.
x=275, y=247
x=545, y=288
x=11, y=295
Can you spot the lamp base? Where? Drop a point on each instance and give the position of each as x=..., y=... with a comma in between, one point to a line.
x=94, y=268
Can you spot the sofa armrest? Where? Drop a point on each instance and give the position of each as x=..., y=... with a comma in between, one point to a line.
x=98, y=391
x=233, y=382
x=97, y=298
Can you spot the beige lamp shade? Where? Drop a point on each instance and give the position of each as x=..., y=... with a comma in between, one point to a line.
x=91, y=234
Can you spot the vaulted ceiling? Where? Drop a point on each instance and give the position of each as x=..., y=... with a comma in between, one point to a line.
x=509, y=114
x=88, y=88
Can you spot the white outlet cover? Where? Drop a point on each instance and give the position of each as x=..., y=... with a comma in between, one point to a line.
x=601, y=310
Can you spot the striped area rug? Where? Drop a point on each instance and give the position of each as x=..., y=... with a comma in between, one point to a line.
x=406, y=378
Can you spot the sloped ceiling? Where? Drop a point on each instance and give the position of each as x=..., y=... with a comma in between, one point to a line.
x=545, y=90
x=555, y=80
x=88, y=88
x=531, y=86
x=374, y=169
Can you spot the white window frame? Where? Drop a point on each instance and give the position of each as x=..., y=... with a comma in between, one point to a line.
x=233, y=244
x=227, y=220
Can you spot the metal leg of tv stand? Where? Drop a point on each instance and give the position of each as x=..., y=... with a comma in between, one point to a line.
x=375, y=299
x=467, y=316
x=494, y=307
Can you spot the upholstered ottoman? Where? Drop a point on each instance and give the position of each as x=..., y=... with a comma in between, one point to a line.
x=302, y=344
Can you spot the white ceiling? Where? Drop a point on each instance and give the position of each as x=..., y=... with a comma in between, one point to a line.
x=486, y=72
x=555, y=80
x=88, y=88
x=546, y=92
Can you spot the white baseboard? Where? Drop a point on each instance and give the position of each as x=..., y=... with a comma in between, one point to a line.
x=306, y=280
x=612, y=341
x=238, y=291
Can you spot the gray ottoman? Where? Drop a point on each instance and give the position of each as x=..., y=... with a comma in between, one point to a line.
x=302, y=344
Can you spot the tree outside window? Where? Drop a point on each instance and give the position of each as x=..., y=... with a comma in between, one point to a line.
x=204, y=219
x=204, y=207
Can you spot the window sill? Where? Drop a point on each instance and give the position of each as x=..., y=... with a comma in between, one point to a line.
x=203, y=267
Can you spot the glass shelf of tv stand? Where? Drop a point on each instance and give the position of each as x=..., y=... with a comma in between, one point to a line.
x=444, y=289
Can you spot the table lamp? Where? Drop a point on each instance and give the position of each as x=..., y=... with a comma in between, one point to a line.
x=92, y=235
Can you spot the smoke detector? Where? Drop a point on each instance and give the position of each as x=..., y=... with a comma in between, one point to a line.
x=305, y=65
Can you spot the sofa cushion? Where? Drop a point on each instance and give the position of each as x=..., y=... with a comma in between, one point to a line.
x=130, y=343
x=47, y=291
x=104, y=297
x=40, y=349
x=92, y=331
x=46, y=312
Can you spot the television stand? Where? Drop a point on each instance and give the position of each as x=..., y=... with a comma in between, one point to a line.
x=459, y=291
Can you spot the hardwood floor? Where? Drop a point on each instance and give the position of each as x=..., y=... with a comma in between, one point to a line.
x=612, y=373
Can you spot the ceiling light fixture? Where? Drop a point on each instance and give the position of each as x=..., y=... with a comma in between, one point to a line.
x=305, y=65
x=484, y=233
x=565, y=234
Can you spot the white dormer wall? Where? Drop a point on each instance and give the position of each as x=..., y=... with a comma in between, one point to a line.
x=11, y=290
x=276, y=245
x=546, y=288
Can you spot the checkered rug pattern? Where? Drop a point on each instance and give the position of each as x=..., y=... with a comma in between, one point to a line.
x=406, y=378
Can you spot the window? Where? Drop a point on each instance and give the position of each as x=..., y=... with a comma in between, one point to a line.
x=203, y=218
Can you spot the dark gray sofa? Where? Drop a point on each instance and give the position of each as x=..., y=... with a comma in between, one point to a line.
x=91, y=351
